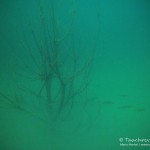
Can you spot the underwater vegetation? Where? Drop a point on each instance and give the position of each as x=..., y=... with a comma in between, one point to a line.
x=79, y=79
x=56, y=74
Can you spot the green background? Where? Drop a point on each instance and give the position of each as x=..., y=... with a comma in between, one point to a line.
x=119, y=31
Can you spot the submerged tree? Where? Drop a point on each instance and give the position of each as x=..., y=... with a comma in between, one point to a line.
x=58, y=65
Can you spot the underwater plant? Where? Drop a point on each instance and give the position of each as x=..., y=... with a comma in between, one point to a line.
x=57, y=63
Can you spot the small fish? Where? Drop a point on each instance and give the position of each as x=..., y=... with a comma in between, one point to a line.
x=108, y=102
x=126, y=107
x=124, y=95
x=140, y=110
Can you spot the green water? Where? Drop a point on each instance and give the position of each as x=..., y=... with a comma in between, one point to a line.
x=103, y=60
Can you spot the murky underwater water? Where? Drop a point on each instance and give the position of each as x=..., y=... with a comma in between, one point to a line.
x=99, y=55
